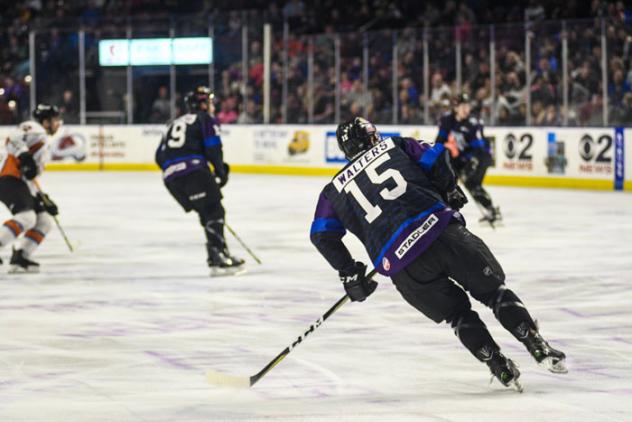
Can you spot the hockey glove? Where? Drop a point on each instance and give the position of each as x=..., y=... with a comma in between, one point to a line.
x=47, y=204
x=222, y=178
x=456, y=198
x=354, y=280
x=28, y=167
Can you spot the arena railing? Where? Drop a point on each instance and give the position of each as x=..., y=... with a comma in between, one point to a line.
x=551, y=73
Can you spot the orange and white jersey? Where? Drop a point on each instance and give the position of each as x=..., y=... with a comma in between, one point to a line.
x=30, y=137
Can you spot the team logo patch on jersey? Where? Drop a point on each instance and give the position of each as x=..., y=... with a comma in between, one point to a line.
x=386, y=264
x=414, y=237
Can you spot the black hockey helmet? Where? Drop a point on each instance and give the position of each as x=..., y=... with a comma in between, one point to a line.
x=356, y=136
x=461, y=98
x=45, y=111
x=199, y=95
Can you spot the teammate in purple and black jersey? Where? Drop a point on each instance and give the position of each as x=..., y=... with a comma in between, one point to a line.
x=400, y=198
x=462, y=134
x=191, y=142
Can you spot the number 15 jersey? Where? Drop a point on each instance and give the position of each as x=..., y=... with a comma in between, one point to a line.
x=391, y=198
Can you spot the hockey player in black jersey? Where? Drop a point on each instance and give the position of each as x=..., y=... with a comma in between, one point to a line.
x=400, y=198
x=463, y=135
x=190, y=143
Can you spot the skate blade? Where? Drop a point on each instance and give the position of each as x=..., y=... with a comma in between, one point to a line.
x=14, y=269
x=493, y=224
x=226, y=272
x=515, y=384
x=553, y=365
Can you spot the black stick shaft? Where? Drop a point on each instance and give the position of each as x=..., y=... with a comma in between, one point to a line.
x=61, y=230
x=243, y=244
x=274, y=362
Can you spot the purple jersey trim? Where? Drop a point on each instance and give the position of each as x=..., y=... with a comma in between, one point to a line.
x=183, y=168
x=324, y=209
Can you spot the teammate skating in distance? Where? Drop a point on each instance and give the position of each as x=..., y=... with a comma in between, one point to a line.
x=190, y=143
x=27, y=152
x=400, y=198
x=463, y=135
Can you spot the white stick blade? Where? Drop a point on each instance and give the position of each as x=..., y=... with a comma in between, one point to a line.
x=225, y=380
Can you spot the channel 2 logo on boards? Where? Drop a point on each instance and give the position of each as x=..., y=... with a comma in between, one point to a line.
x=333, y=153
x=596, y=154
x=517, y=150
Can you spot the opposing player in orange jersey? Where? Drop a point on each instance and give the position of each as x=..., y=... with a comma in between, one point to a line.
x=25, y=156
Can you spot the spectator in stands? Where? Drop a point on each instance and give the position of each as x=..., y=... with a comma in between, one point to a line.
x=57, y=51
x=438, y=94
x=161, y=107
x=250, y=114
x=228, y=112
x=69, y=107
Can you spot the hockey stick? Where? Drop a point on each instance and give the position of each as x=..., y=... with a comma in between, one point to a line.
x=218, y=378
x=242, y=243
x=61, y=230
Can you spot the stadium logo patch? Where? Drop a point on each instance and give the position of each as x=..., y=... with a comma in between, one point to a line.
x=414, y=237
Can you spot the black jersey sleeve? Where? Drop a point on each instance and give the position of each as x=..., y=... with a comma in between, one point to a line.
x=476, y=139
x=326, y=234
x=434, y=160
x=212, y=143
x=160, y=152
x=444, y=130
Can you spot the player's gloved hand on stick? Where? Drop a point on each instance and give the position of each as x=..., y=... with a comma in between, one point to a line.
x=28, y=166
x=47, y=203
x=354, y=280
x=222, y=177
x=456, y=198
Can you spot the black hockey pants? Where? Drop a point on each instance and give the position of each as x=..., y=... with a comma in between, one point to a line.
x=437, y=281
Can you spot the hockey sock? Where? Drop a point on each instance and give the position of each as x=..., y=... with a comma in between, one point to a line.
x=474, y=335
x=510, y=311
x=482, y=197
x=11, y=229
x=214, y=230
x=35, y=236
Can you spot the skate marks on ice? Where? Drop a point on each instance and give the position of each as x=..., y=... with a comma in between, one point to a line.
x=124, y=329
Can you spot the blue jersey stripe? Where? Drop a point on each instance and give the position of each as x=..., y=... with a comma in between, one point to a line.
x=327, y=225
x=478, y=143
x=181, y=159
x=212, y=141
x=430, y=156
x=436, y=207
x=443, y=133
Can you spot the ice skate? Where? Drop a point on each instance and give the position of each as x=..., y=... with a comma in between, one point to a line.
x=222, y=263
x=20, y=264
x=546, y=356
x=504, y=370
x=491, y=216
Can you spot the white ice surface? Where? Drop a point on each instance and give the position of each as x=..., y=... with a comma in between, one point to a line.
x=125, y=328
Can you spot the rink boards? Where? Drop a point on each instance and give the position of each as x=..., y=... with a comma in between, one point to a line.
x=589, y=158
